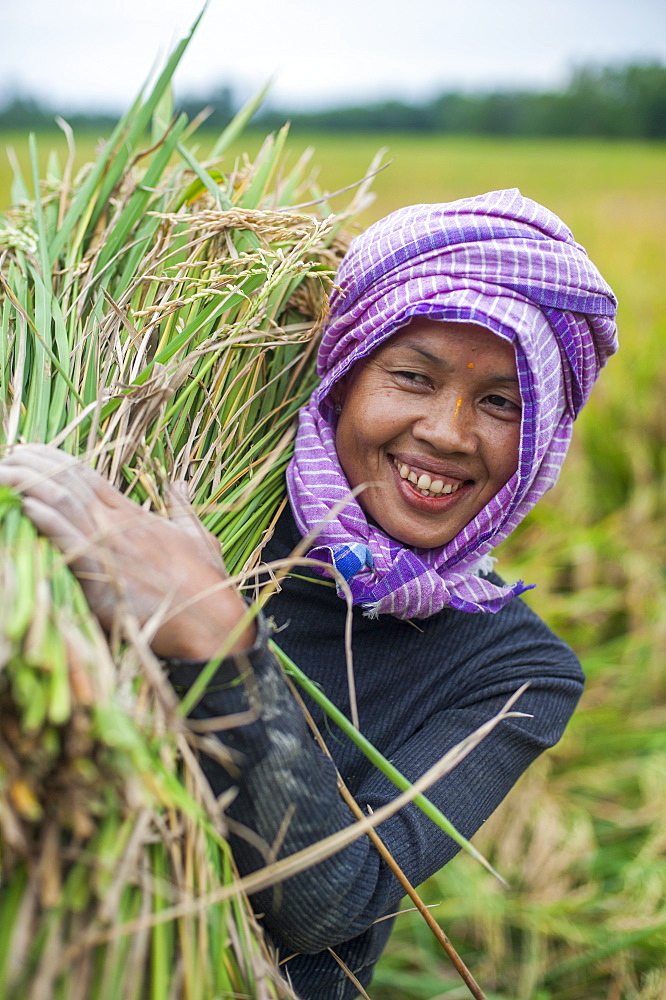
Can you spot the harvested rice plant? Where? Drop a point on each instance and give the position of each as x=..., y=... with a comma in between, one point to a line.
x=157, y=319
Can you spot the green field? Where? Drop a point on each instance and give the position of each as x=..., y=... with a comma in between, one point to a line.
x=582, y=838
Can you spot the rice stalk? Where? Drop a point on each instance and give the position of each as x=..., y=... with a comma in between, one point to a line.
x=157, y=320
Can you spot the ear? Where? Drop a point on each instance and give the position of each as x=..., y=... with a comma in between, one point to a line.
x=338, y=392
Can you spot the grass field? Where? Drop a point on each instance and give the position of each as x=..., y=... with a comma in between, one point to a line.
x=582, y=839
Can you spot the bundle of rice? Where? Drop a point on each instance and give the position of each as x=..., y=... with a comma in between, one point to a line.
x=157, y=318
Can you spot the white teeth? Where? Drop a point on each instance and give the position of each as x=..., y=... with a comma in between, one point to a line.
x=424, y=483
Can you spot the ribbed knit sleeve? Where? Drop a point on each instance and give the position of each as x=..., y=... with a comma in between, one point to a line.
x=286, y=794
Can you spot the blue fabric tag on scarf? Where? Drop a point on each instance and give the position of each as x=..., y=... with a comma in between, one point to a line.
x=351, y=558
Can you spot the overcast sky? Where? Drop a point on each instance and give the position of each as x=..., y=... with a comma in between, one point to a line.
x=83, y=53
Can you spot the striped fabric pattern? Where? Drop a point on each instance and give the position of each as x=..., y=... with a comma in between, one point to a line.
x=503, y=262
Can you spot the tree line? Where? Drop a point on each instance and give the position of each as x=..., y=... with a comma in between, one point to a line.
x=623, y=102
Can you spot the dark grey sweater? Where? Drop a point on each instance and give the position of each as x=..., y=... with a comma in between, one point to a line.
x=420, y=690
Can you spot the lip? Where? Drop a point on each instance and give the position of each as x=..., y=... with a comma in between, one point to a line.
x=440, y=470
x=432, y=504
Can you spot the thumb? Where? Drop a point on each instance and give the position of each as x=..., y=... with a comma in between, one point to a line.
x=183, y=515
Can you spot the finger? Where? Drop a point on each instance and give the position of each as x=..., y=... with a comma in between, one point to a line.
x=49, y=462
x=51, y=523
x=44, y=465
x=42, y=457
x=74, y=504
x=94, y=570
x=63, y=534
x=183, y=515
x=46, y=451
x=178, y=498
x=28, y=466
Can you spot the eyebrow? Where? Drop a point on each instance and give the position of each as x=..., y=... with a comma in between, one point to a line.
x=426, y=354
x=442, y=363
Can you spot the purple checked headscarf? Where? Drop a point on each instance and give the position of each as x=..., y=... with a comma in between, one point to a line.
x=500, y=261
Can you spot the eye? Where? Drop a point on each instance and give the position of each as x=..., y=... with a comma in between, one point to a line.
x=502, y=403
x=415, y=378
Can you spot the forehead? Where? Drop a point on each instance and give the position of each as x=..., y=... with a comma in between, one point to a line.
x=441, y=339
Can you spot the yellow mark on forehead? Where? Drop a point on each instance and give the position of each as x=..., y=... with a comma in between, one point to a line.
x=471, y=364
x=455, y=412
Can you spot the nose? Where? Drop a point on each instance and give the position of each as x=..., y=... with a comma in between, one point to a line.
x=448, y=426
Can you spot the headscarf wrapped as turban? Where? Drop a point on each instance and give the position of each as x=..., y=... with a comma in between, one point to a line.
x=500, y=261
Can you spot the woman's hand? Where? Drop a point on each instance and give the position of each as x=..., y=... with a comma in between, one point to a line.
x=120, y=552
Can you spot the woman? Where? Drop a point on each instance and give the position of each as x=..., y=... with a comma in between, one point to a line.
x=462, y=342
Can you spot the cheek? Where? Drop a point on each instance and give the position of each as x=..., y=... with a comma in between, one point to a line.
x=369, y=421
x=360, y=441
x=346, y=446
x=506, y=454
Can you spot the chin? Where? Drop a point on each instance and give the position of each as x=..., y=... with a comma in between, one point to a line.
x=415, y=537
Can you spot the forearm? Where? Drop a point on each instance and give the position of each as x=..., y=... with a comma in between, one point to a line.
x=287, y=798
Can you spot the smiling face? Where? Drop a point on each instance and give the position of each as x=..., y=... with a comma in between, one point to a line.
x=432, y=420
